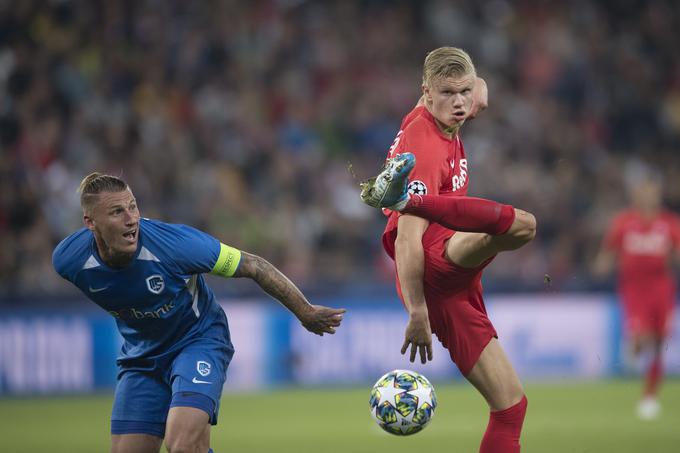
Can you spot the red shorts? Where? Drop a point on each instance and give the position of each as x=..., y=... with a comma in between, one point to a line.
x=454, y=302
x=648, y=309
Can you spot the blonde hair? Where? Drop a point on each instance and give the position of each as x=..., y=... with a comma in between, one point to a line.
x=447, y=62
x=95, y=183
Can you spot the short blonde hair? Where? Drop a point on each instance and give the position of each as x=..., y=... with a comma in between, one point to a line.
x=447, y=62
x=95, y=183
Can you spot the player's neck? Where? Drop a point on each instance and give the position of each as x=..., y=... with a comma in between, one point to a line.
x=449, y=131
x=110, y=257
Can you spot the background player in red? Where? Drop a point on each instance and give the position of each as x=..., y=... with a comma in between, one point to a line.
x=640, y=243
x=441, y=241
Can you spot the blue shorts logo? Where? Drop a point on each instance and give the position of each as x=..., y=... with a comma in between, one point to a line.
x=155, y=283
x=203, y=368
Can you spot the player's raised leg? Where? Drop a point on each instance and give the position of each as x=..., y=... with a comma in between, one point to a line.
x=390, y=188
x=473, y=249
x=463, y=214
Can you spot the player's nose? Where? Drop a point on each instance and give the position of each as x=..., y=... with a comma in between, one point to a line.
x=131, y=217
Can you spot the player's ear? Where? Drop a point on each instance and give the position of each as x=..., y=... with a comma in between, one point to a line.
x=89, y=222
x=426, y=93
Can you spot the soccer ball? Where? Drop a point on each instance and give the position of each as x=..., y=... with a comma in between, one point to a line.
x=402, y=402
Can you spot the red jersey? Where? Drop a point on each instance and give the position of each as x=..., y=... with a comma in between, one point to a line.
x=453, y=294
x=644, y=247
x=441, y=167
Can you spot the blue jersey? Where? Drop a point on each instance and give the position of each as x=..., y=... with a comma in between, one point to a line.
x=160, y=300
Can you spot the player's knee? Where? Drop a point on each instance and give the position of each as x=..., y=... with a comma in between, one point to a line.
x=514, y=395
x=185, y=444
x=181, y=447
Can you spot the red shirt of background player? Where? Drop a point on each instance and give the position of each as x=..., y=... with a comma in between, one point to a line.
x=644, y=246
x=441, y=168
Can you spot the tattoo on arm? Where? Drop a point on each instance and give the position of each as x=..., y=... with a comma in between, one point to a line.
x=272, y=281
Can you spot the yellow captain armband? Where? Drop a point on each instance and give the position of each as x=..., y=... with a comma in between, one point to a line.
x=227, y=262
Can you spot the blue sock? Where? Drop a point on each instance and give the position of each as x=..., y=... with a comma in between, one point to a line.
x=210, y=450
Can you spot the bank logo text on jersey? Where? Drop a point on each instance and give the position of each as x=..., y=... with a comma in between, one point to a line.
x=140, y=313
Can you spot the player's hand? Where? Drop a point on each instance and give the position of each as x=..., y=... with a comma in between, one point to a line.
x=419, y=335
x=319, y=319
x=480, y=98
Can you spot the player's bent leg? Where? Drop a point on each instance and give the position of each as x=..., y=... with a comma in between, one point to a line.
x=495, y=378
x=471, y=250
x=390, y=187
x=187, y=430
x=470, y=214
x=135, y=443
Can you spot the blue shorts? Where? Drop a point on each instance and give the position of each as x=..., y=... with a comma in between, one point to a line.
x=192, y=378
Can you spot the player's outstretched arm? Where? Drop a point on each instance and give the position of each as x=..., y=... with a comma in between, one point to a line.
x=315, y=318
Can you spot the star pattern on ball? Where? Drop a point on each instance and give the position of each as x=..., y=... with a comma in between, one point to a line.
x=424, y=395
x=402, y=402
x=389, y=393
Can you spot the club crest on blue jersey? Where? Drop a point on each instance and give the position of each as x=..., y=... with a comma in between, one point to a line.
x=203, y=368
x=155, y=283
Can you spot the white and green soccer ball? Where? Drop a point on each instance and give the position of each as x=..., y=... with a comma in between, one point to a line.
x=402, y=402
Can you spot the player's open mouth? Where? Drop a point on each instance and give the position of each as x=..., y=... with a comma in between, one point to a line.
x=459, y=115
x=131, y=235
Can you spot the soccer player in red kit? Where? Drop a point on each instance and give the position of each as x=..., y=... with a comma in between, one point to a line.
x=441, y=240
x=642, y=239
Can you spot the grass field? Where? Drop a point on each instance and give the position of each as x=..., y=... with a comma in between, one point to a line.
x=565, y=418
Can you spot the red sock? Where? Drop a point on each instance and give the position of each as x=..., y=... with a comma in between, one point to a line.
x=504, y=428
x=475, y=215
x=654, y=374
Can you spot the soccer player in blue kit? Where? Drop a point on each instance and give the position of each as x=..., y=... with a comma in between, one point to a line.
x=148, y=275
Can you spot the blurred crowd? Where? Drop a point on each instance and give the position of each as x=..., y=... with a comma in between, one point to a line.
x=256, y=120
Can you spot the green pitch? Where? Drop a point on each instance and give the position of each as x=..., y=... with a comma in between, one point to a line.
x=568, y=418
